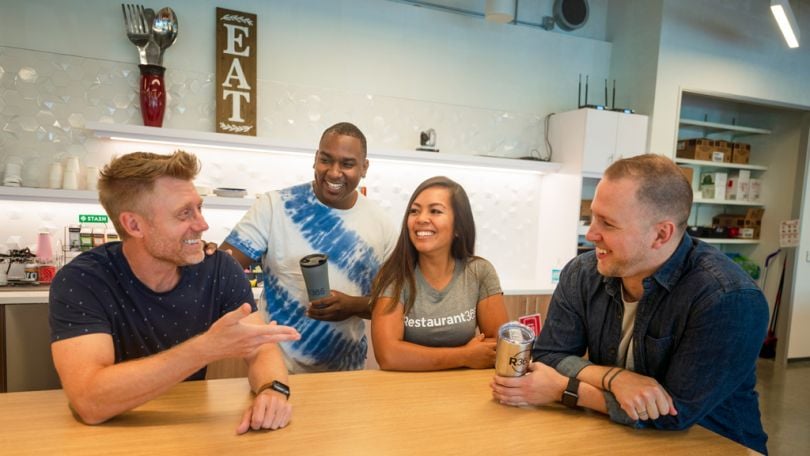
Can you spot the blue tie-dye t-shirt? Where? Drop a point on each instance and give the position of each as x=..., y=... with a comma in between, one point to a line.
x=285, y=225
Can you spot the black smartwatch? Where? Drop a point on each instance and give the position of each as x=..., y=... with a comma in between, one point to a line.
x=275, y=385
x=571, y=394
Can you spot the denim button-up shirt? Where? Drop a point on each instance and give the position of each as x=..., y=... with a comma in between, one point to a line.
x=698, y=330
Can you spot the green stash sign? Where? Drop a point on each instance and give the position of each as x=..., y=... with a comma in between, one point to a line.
x=90, y=218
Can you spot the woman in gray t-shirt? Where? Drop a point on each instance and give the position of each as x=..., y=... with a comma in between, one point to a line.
x=433, y=292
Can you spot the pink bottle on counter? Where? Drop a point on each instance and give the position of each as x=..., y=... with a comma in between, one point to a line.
x=46, y=270
x=45, y=247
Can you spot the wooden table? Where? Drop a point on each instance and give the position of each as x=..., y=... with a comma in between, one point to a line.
x=360, y=412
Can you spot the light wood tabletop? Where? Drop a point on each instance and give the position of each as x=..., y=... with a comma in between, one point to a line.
x=360, y=412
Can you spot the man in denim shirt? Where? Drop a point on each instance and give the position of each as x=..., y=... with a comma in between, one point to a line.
x=671, y=326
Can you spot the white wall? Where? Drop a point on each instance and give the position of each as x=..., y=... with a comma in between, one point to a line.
x=797, y=314
x=735, y=48
x=634, y=28
x=391, y=68
x=731, y=47
x=322, y=60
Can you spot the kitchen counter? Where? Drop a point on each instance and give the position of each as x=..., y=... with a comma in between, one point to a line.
x=24, y=294
x=23, y=315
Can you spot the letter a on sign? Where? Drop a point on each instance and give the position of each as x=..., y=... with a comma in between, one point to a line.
x=236, y=72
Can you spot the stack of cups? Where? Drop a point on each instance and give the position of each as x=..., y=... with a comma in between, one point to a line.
x=70, y=179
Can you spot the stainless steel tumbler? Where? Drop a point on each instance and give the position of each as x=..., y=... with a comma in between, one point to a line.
x=514, y=350
x=316, y=275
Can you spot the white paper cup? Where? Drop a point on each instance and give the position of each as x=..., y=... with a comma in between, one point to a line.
x=70, y=180
x=55, y=176
x=92, y=178
x=72, y=164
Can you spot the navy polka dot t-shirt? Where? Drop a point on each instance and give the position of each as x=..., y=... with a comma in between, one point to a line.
x=98, y=293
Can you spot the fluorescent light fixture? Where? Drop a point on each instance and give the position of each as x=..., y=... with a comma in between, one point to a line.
x=499, y=11
x=787, y=21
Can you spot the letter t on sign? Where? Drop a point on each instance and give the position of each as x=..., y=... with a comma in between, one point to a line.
x=236, y=72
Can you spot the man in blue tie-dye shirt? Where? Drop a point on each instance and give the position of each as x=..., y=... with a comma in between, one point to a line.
x=327, y=215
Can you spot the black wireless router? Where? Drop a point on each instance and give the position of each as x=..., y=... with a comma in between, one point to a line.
x=603, y=107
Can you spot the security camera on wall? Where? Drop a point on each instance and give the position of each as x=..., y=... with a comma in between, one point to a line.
x=568, y=15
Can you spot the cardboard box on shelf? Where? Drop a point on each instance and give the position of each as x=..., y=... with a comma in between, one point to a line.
x=740, y=153
x=688, y=172
x=713, y=185
x=728, y=220
x=752, y=220
x=704, y=149
x=725, y=146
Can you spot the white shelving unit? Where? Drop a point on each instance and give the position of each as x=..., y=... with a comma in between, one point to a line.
x=698, y=200
x=716, y=165
x=692, y=128
x=729, y=241
x=89, y=196
x=176, y=137
x=137, y=133
x=710, y=128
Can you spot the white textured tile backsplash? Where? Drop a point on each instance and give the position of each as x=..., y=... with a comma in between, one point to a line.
x=46, y=99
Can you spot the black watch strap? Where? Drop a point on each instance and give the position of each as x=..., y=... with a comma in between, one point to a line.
x=275, y=385
x=571, y=394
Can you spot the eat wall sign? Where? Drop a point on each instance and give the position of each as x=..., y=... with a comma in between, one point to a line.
x=236, y=72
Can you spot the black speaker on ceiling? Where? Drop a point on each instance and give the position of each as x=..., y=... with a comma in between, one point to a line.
x=570, y=14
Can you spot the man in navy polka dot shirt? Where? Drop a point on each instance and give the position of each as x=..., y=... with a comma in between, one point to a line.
x=130, y=319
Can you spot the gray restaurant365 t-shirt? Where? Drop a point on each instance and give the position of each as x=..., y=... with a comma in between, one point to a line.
x=447, y=318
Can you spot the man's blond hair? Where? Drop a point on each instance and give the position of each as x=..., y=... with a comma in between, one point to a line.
x=126, y=182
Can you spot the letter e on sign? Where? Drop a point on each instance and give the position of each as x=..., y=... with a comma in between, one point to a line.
x=236, y=72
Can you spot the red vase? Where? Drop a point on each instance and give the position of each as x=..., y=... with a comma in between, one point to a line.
x=153, y=95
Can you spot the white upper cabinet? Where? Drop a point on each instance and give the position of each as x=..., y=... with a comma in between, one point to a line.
x=597, y=138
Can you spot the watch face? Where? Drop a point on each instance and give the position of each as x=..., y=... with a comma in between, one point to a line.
x=569, y=399
x=281, y=388
x=570, y=395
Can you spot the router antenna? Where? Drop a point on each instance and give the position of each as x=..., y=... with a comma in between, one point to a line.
x=613, y=104
x=606, y=98
x=586, y=89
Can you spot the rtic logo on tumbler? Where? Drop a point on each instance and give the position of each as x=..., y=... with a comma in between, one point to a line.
x=316, y=275
x=513, y=352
